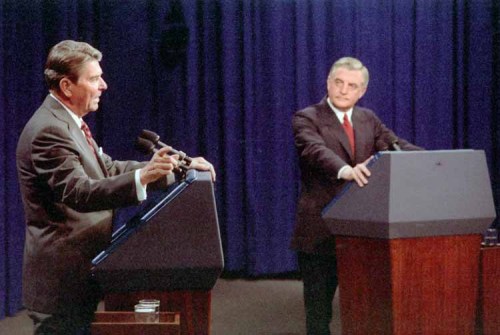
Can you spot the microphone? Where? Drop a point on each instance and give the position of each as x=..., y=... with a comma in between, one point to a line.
x=144, y=146
x=154, y=138
x=147, y=147
x=388, y=142
x=394, y=143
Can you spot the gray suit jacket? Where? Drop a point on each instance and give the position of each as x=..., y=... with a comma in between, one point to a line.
x=323, y=149
x=68, y=196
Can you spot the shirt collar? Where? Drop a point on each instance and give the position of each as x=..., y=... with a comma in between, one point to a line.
x=339, y=113
x=73, y=115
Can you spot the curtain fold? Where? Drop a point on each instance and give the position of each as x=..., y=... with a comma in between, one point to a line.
x=221, y=79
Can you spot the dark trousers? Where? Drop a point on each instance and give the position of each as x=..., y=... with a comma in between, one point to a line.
x=77, y=323
x=319, y=274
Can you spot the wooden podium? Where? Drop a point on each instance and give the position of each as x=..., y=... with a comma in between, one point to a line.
x=124, y=323
x=408, y=243
x=171, y=251
x=488, y=318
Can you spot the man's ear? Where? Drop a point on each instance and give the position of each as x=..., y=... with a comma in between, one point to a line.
x=363, y=91
x=65, y=85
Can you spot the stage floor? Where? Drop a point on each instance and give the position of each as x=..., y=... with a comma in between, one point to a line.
x=239, y=307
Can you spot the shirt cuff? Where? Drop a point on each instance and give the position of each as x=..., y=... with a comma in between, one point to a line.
x=341, y=170
x=139, y=188
x=170, y=178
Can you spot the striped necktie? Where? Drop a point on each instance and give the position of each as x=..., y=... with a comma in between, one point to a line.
x=88, y=136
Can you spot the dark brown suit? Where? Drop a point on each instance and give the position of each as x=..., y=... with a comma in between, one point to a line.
x=323, y=149
x=69, y=196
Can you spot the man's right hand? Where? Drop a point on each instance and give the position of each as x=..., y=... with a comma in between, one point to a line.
x=160, y=165
x=359, y=173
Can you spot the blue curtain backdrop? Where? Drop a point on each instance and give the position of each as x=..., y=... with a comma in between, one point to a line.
x=222, y=78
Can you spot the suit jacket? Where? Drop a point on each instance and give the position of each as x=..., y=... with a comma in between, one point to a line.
x=323, y=149
x=68, y=195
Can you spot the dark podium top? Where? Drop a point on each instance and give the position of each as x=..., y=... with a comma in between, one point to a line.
x=172, y=244
x=416, y=194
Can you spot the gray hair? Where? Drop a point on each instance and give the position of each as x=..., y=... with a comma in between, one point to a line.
x=351, y=63
x=65, y=59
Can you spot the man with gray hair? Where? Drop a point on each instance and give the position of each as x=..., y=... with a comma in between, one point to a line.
x=70, y=189
x=335, y=139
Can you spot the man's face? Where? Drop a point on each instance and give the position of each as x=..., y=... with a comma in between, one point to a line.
x=345, y=88
x=86, y=91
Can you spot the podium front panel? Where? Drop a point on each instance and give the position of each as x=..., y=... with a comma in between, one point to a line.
x=174, y=245
x=416, y=194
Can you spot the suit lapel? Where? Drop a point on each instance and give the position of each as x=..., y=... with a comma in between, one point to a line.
x=99, y=158
x=362, y=134
x=329, y=118
x=76, y=134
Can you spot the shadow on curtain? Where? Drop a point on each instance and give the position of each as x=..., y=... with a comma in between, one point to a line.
x=221, y=79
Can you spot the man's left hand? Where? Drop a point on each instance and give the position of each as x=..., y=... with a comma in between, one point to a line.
x=200, y=163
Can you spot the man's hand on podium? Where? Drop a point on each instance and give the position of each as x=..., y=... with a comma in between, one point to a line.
x=358, y=173
x=200, y=163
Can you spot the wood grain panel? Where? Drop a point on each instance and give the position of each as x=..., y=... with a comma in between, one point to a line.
x=123, y=323
x=489, y=292
x=408, y=286
x=194, y=307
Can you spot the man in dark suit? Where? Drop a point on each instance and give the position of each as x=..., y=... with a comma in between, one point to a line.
x=69, y=189
x=335, y=140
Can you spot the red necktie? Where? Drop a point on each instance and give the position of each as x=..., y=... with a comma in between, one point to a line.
x=88, y=136
x=350, y=133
